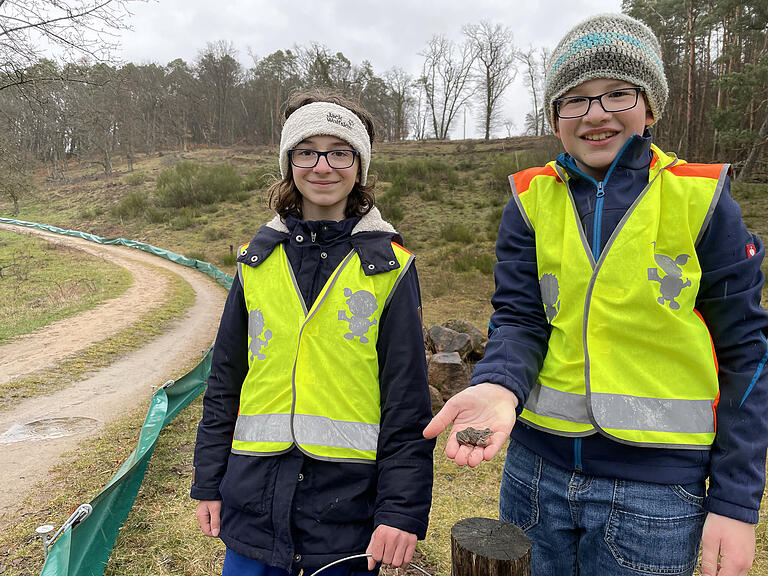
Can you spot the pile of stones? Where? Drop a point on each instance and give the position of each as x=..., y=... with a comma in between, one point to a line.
x=452, y=348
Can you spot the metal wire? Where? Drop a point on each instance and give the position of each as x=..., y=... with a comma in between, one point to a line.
x=340, y=560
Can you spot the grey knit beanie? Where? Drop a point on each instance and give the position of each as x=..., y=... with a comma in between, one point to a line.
x=325, y=118
x=608, y=46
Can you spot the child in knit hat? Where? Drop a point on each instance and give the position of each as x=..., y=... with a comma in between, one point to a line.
x=628, y=344
x=310, y=448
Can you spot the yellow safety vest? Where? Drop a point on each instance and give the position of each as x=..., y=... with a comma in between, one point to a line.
x=313, y=374
x=628, y=354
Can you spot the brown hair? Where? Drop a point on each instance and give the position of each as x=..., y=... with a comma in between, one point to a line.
x=284, y=196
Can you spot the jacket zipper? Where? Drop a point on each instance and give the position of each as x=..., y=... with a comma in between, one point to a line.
x=598, y=221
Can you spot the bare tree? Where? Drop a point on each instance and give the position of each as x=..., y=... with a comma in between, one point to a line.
x=445, y=78
x=220, y=73
x=15, y=179
x=495, y=69
x=400, y=84
x=73, y=28
x=535, y=61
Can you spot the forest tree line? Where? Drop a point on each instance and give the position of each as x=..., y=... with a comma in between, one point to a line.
x=715, y=55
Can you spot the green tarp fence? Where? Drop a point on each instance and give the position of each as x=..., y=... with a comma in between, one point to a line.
x=83, y=550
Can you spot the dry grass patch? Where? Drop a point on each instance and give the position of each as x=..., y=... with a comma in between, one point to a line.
x=42, y=281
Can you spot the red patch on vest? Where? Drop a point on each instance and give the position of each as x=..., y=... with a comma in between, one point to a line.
x=751, y=250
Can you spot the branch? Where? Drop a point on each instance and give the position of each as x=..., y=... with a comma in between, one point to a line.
x=44, y=23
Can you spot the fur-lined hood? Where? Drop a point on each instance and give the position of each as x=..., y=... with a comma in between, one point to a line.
x=371, y=238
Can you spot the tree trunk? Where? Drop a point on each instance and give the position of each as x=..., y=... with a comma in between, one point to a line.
x=754, y=152
x=485, y=547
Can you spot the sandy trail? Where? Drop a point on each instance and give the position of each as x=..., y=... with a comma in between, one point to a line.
x=35, y=433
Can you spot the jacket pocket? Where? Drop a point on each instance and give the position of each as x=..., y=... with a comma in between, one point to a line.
x=248, y=483
x=347, y=498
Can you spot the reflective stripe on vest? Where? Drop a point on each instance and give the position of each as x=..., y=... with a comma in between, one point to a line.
x=313, y=373
x=656, y=383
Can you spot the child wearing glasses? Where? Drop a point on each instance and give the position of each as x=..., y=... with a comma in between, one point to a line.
x=627, y=346
x=310, y=448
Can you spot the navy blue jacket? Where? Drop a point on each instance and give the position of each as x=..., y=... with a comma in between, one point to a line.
x=290, y=510
x=729, y=302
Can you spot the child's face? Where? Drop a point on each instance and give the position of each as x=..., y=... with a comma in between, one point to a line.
x=324, y=190
x=594, y=140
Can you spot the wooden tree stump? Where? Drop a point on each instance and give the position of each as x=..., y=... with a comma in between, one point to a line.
x=485, y=547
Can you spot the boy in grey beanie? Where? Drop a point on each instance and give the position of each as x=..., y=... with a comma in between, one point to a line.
x=627, y=348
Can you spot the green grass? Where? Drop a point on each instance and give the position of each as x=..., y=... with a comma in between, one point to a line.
x=45, y=281
x=101, y=354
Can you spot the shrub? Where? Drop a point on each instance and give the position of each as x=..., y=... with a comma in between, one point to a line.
x=494, y=221
x=196, y=255
x=390, y=209
x=155, y=215
x=417, y=174
x=218, y=182
x=261, y=178
x=135, y=178
x=184, y=218
x=226, y=260
x=431, y=194
x=457, y=232
x=190, y=184
x=131, y=205
x=474, y=259
x=211, y=234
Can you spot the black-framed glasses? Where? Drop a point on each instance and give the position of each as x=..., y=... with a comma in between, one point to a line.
x=308, y=158
x=613, y=101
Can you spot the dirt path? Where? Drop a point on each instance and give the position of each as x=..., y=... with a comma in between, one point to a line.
x=35, y=433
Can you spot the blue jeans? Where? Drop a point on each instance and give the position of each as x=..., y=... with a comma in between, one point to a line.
x=589, y=525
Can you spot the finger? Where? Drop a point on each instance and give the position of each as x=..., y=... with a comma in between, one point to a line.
x=709, y=553
x=497, y=442
x=375, y=549
x=475, y=456
x=452, y=447
x=202, y=519
x=399, y=553
x=441, y=420
x=409, y=553
x=215, y=522
x=388, y=554
x=462, y=455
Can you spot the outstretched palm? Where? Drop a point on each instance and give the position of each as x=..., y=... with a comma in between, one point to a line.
x=482, y=406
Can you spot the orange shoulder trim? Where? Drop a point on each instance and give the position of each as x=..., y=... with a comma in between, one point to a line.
x=523, y=178
x=402, y=248
x=697, y=170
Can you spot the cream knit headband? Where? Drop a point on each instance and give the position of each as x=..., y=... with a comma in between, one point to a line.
x=326, y=119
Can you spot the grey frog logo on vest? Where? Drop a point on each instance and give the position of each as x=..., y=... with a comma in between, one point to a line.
x=361, y=304
x=672, y=284
x=256, y=325
x=550, y=295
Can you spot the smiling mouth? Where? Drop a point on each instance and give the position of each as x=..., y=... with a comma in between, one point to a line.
x=600, y=136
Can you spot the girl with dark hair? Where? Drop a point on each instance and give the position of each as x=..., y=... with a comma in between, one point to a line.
x=310, y=448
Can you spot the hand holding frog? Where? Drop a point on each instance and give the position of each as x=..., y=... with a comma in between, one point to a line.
x=483, y=406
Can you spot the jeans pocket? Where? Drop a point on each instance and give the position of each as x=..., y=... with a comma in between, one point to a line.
x=519, y=496
x=656, y=528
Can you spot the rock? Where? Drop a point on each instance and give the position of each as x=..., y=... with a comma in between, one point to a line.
x=448, y=373
x=428, y=344
x=436, y=398
x=477, y=338
x=447, y=340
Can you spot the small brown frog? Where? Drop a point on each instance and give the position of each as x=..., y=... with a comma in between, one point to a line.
x=471, y=437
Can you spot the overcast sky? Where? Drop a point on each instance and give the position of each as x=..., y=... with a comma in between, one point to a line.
x=387, y=33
